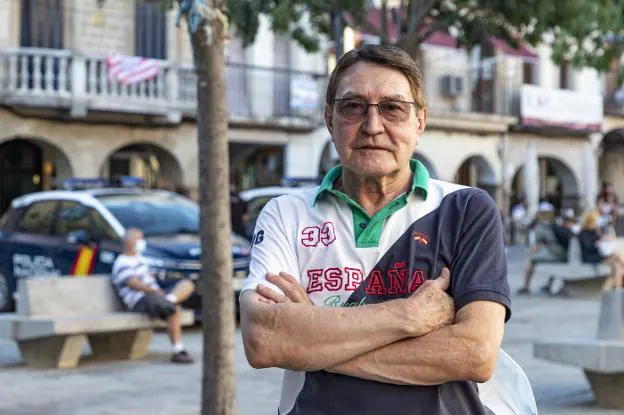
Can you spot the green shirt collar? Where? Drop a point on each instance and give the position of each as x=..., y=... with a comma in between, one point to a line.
x=420, y=180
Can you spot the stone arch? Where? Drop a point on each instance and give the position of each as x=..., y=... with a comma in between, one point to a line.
x=476, y=171
x=433, y=172
x=158, y=166
x=29, y=165
x=558, y=182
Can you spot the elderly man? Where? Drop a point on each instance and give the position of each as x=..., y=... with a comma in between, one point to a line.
x=140, y=292
x=342, y=290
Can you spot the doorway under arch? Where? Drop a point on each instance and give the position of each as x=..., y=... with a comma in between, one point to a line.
x=476, y=171
x=558, y=184
x=30, y=165
x=156, y=166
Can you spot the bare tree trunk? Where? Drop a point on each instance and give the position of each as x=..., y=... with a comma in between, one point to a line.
x=218, y=380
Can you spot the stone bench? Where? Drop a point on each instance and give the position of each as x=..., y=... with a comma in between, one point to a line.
x=602, y=358
x=578, y=279
x=55, y=318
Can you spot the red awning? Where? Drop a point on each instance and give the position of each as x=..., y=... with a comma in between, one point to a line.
x=504, y=47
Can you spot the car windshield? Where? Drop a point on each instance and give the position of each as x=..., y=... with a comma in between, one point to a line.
x=155, y=213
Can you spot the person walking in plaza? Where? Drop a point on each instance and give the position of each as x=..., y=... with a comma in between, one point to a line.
x=596, y=248
x=549, y=244
x=608, y=206
x=518, y=221
x=382, y=291
x=140, y=292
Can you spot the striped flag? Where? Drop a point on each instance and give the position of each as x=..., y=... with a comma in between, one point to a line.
x=131, y=69
x=84, y=262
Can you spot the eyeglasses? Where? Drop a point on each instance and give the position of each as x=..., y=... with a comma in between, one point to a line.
x=355, y=110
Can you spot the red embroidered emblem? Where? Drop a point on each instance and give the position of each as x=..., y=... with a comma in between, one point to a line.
x=421, y=238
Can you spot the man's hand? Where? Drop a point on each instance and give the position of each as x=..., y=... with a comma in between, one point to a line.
x=293, y=291
x=430, y=306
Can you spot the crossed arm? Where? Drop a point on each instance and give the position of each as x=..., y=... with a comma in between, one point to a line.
x=409, y=341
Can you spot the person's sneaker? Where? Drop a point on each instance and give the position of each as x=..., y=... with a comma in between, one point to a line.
x=546, y=290
x=523, y=291
x=181, y=357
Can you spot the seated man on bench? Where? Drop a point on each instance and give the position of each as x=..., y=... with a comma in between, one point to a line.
x=140, y=292
x=550, y=244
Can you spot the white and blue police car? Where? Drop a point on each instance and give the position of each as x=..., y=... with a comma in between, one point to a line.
x=79, y=232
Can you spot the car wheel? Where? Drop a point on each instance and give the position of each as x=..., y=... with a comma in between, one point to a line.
x=6, y=298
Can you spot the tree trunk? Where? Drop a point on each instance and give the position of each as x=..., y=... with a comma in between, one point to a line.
x=218, y=379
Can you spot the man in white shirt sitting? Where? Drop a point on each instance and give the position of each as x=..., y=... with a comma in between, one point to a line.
x=140, y=292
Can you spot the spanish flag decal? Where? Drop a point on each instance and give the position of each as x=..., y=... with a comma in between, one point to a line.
x=84, y=262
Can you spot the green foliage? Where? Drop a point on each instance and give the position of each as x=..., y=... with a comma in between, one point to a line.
x=575, y=29
x=581, y=40
x=306, y=20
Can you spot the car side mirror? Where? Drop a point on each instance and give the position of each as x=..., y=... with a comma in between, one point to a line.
x=79, y=236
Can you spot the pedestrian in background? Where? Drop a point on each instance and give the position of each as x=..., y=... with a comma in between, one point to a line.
x=608, y=206
x=518, y=221
x=141, y=293
x=598, y=248
x=549, y=242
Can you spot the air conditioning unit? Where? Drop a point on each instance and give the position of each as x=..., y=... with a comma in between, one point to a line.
x=452, y=85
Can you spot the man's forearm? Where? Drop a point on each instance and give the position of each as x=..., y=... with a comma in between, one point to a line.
x=306, y=337
x=138, y=285
x=433, y=359
x=467, y=350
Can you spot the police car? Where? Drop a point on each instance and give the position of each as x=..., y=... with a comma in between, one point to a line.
x=79, y=232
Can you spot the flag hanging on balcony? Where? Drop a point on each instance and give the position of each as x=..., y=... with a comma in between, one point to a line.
x=131, y=69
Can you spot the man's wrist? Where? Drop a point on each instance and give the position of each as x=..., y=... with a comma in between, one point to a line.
x=408, y=321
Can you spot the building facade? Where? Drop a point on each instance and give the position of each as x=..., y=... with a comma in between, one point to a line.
x=63, y=116
x=489, y=105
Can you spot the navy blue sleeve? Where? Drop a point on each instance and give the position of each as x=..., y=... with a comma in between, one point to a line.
x=479, y=266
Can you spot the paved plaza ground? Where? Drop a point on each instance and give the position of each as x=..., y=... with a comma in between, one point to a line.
x=154, y=386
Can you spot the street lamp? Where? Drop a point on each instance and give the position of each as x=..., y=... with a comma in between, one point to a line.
x=97, y=18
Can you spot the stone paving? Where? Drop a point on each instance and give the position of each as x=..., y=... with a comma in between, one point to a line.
x=154, y=386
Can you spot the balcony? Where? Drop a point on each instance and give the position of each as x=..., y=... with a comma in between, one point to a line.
x=36, y=80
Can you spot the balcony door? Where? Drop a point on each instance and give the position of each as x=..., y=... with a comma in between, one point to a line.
x=42, y=24
x=150, y=36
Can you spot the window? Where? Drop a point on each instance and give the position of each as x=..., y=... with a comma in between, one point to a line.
x=564, y=76
x=528, y=74
x=150, y=35
x=156, y=213
x=38, y=218
x=73, y=216
x=42, y=24
x=7, y=218
x=101, y=228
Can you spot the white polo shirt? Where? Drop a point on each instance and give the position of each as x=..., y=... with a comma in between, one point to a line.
x=343, y=257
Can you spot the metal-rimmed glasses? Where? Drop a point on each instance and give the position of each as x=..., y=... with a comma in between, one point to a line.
x=356, y=110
